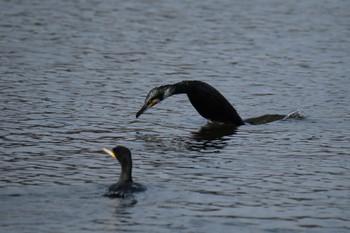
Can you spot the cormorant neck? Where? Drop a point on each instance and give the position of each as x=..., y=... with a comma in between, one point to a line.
x=177, y=88
x=125, y=175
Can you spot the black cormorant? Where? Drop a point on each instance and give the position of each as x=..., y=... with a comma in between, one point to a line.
x=125, y=185
x=208, y=101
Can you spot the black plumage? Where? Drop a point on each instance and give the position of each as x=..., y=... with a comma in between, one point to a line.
x=208, y=101
x=125, y=185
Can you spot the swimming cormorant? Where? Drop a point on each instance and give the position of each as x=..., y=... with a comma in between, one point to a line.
x=125, y=185
x=208, y=101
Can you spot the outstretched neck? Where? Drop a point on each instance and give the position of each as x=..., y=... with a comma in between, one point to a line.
x=177, y=88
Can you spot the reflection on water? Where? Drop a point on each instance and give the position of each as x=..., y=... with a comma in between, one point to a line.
x=214, y=131
x=206, y=145
x=73, y=74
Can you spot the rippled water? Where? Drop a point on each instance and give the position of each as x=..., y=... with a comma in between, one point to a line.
x=74, y=73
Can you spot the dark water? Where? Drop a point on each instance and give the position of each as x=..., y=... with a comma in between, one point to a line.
x=74, y=73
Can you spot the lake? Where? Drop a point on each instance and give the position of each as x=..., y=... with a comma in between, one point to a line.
x=74, y=74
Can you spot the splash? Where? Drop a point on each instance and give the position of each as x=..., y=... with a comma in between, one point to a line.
x=297, y=115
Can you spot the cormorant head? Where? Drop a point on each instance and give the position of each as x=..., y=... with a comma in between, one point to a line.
x=156, y=95
x=122, y=154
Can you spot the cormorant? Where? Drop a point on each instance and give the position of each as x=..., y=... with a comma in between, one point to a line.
x=125, y=185
x=208, y=101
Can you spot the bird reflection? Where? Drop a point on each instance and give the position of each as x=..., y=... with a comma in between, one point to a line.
x=207, y=139
x=214, y=131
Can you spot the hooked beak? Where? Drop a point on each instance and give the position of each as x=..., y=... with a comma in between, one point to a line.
x=147, y=106
x=109, y=152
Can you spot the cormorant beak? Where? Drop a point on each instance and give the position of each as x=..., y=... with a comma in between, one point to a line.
x=147, y=106
x=109, y=152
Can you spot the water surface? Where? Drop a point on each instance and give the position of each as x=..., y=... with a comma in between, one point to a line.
x=74, y=74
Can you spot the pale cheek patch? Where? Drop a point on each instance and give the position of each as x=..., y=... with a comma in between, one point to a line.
x=168, y=92
x=150, y=96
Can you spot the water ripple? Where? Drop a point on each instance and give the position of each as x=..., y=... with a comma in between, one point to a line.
x=74, y=74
